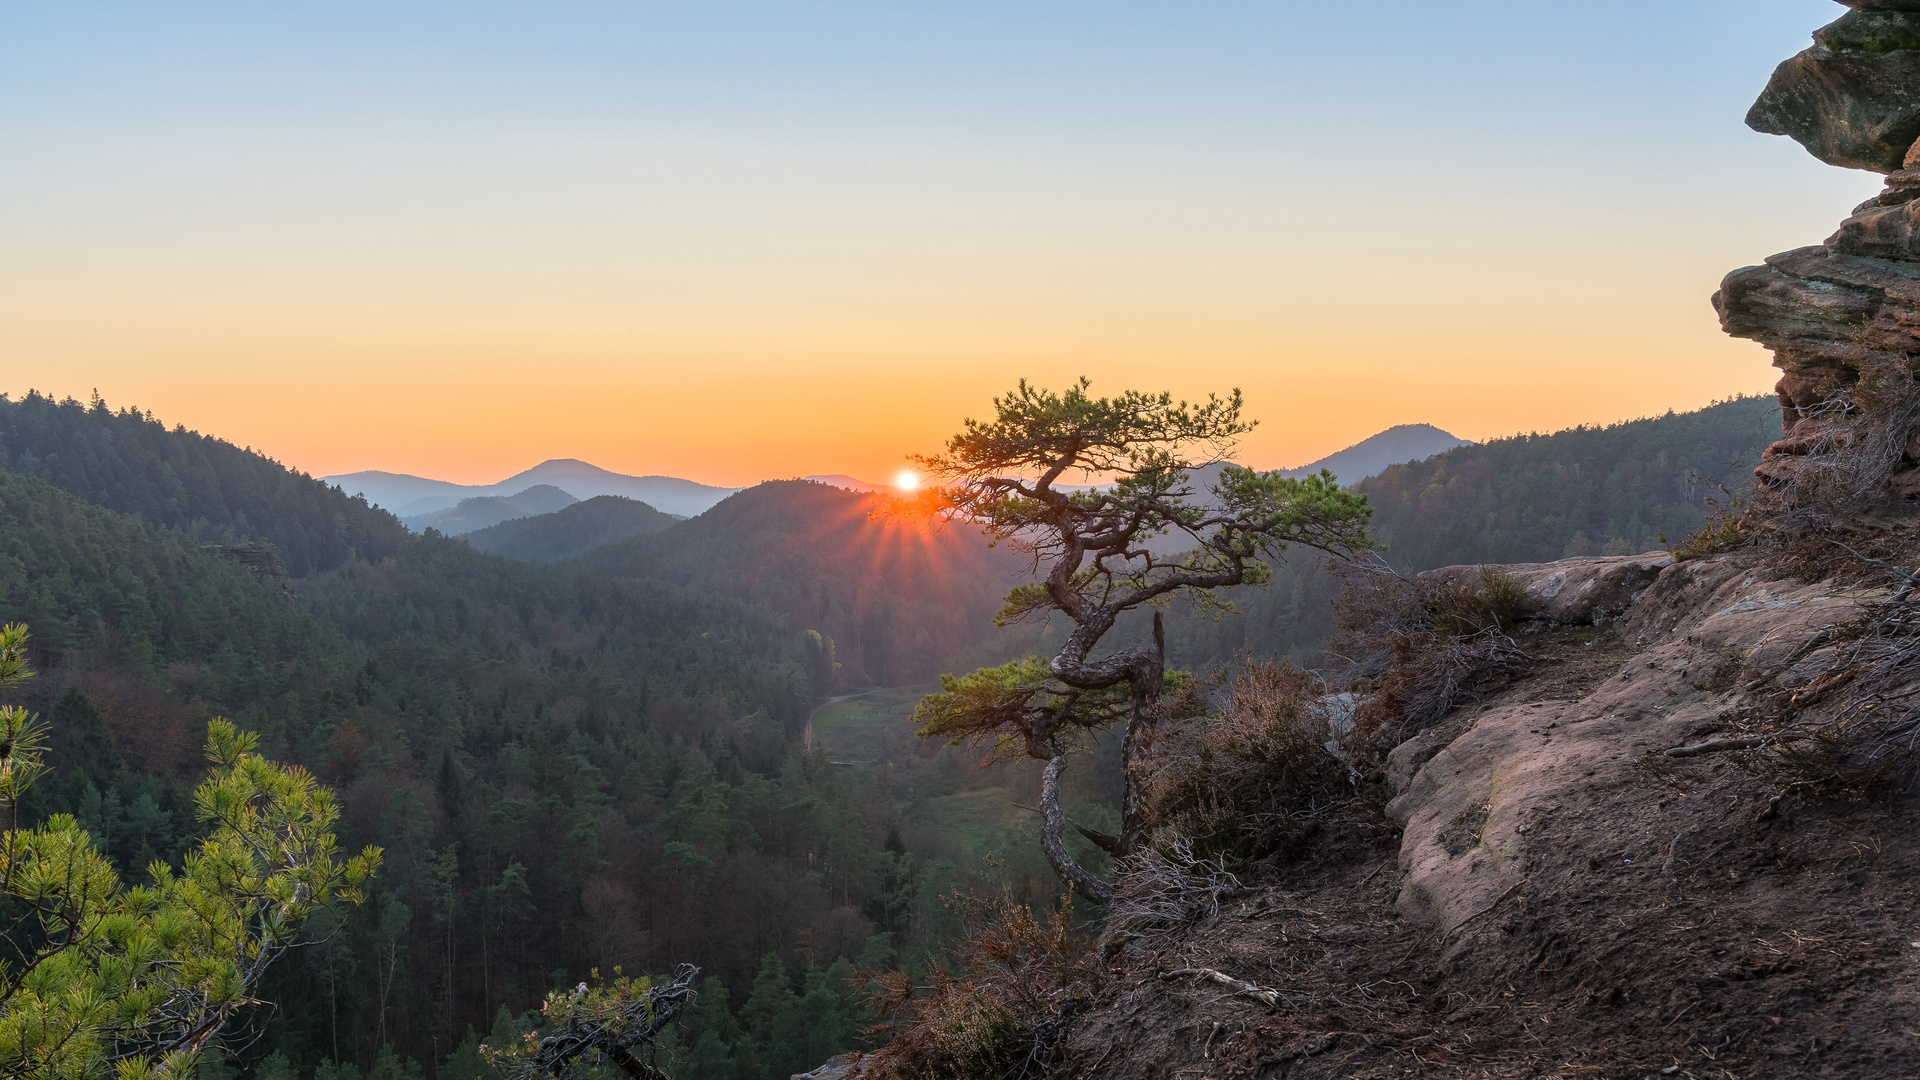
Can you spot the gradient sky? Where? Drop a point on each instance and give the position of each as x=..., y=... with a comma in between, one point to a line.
x=739, y=241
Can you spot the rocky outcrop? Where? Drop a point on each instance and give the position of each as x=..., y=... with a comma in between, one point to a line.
x=844, y=1067
x=1587, y=878
x=1843, y=318
x=1570, y=592
x=1853, y=99
x=1699, y=635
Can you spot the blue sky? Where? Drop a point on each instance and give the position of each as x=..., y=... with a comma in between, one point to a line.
x=445, y=238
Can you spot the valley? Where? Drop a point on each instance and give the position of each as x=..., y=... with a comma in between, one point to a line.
x=592, y=748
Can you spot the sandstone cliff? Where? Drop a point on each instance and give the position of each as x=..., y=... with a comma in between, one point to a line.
x=1681, y=839
x=1841, y=316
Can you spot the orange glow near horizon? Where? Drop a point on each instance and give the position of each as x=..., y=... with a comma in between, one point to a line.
x=476, y=389
x=813, y=240
x=441, y=402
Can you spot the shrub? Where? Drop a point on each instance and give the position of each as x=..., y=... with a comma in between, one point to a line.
x=1491, y=603
x=1420, y=651
x=1722, y=532
x=1238, y=785
x=1014, y=988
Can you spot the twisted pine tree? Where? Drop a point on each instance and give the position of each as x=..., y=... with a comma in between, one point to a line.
x=1093, y=562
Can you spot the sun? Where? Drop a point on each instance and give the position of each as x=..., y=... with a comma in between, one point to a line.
x=906, y=481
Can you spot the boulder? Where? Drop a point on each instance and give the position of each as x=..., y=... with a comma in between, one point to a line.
x=1567, y=592
x=1854, y=98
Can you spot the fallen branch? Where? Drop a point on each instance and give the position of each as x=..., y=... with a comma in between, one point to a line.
x=1910, y=579
x=1744, y=742
x=1266, y=994
x=1496, y=903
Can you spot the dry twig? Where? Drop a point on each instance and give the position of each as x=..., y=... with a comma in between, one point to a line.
x=1265, y=994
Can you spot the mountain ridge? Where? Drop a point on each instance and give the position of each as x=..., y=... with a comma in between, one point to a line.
x=410, y=496
x=485, y=511
x=570, y=531
x=417, y=499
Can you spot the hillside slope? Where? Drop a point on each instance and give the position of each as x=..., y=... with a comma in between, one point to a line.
x=208, y=488
x=1539, y=497
x=899, y=598
x=566, y=771
x=168, y=630
x=519, y=740
x=575, y=530
x=1583, y=491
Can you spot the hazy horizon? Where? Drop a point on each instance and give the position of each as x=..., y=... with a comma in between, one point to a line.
x=743, y=241
x=887, y=481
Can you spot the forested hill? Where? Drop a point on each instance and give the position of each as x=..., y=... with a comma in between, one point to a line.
x=164, y=628
x=566, y=771
x=1530, y=498
x=210, y=489
x=900, y=598
x=595, y=522
x=597, y=762
x=1583, y=491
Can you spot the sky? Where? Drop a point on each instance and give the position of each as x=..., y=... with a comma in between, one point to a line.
x=733, y=242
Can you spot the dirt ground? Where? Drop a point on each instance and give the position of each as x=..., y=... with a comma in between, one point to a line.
x=1608, y=911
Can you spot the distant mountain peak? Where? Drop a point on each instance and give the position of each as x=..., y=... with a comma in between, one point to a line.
x=1374, y=454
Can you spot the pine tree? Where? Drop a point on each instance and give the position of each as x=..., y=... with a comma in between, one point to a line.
x=142, y=980
x=1097, y=559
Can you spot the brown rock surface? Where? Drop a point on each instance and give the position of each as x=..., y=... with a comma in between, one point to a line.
x=1853, y=99
x=1564, y=898
x=1843, y=319
x=1468, y=810
x=1568, y=592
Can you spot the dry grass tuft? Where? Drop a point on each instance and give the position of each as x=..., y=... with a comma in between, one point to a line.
x=1162, y=890
x=1016, y=985
x=1847, y=464
x=1724, y=531
x=1851, y=724
x=1420, y=651
x=1240, y=786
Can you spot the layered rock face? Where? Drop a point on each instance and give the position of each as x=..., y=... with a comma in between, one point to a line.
x=1843, y=318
